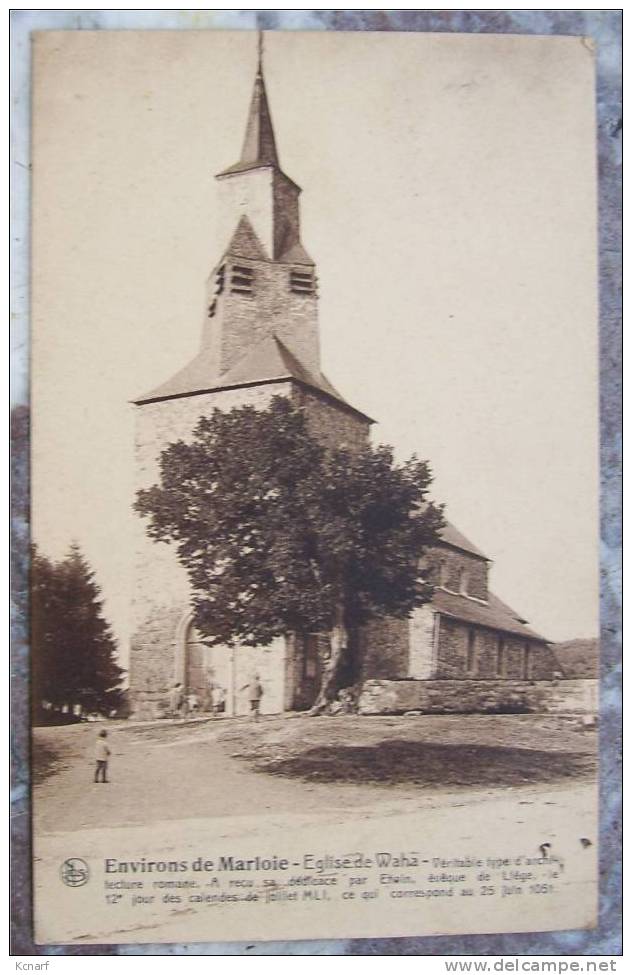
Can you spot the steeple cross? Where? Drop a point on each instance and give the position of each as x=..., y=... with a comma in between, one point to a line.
x=260, y=52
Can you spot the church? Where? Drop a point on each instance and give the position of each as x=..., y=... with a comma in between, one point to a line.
x=466, y=650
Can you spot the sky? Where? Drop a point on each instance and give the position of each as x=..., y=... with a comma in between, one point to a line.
x=449, y=201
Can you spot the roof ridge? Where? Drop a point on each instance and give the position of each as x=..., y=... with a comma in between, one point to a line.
x=490, y=615
x=318, y=381
x=450, y=535
x=267, y=360
x=295, y=253
x=291, y=361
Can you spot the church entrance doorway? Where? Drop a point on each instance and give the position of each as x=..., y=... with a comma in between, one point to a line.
x=208, y=674
x=221, y=675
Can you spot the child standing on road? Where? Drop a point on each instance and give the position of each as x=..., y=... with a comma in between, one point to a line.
x=102, y=754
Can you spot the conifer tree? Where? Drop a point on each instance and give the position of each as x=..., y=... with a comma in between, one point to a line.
x=44, y=616
x=73, y=649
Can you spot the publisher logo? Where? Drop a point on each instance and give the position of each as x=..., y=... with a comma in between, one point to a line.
x=74, y=872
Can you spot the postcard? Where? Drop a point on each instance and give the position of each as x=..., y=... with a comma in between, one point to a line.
x=314, y=485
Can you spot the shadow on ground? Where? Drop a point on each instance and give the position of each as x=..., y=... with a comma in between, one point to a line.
x=46, y=760
x=428, y=764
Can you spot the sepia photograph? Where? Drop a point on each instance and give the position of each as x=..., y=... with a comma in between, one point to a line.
x=315, y=485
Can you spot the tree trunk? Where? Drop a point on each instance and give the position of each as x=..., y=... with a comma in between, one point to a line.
x=338, y=643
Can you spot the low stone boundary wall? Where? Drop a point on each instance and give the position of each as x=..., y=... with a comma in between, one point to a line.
x=479, y=697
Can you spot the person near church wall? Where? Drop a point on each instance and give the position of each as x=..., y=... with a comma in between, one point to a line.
x=176, y=697
x=255, y=693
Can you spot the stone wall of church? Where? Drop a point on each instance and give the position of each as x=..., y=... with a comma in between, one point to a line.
x=248, y=194
x=477, y=652
x=241, y=320
x=422, y=663
x=270, y=201
x=385, y=649
x=161, y=594
x=331, y=424
x=433, y=647
x=400, y=648
x=571, y=697
x=457, y=571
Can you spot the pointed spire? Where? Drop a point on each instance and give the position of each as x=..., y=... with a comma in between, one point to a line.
x=260, y=52
x=259, y=148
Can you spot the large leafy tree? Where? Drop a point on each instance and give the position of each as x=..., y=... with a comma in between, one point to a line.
x=279, y=535
x=72, y=646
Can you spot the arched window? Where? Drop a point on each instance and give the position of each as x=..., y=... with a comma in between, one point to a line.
x=527, y=661
x=471, y=651
x=310, y=656
x=501, y=658
x=430, y=571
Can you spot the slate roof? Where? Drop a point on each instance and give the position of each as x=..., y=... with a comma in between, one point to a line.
x=295, y=254
x=268, y=361
x=259, y=148
x=245, y=243
x=453, y=537
x=493, y=614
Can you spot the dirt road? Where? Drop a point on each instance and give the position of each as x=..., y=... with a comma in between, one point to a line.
x=308, y=790
x=170, y=771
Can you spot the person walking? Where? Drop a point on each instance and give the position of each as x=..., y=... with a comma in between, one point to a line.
x=102, y=755
x=208, y=696
x=219, y=701
x=176, y=696
x=193, y=703
x=255, y=693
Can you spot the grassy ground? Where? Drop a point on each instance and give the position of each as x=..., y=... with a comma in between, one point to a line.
x=239, y=767
x=444, y=752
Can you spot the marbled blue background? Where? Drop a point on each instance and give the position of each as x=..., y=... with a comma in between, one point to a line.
x=604, y=26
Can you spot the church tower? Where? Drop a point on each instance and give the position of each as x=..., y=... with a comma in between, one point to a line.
x=259, y=340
